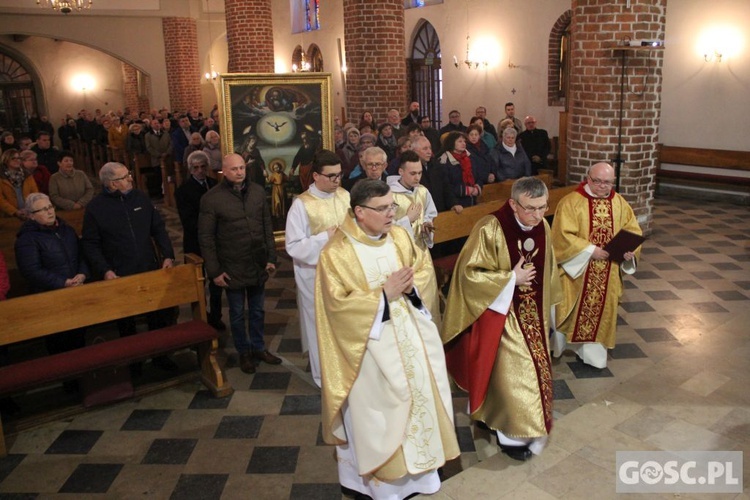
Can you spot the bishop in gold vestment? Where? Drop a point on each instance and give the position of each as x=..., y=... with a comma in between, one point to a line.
x=386, y=400
x=585, y=221
x=497, y=320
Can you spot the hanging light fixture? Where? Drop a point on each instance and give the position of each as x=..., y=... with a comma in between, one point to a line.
x=65, y=6
x=211, y=74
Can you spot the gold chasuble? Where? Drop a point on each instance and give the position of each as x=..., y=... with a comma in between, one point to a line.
x=503, y=360
x=389, y=398
x=405, y=201
x=323, y=213
x=588, y=311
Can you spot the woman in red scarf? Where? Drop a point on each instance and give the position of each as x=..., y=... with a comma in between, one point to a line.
x=465, y=181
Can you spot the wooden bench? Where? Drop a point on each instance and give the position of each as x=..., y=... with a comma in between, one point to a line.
x=27, y=318
x=451, y=226
x=501, y=190
x=704, y=169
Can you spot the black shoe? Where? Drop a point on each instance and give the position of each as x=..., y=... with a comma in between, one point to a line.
x=266, y=357
x=164, y=363
x=520, y=453
x=217, y=323
x=247, y=365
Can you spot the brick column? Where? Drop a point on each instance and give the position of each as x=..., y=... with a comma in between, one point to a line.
x=133, y=97
x=129, y=87
x=375, y=57
x=249, y=36
x=182, y=63
x=598, y=27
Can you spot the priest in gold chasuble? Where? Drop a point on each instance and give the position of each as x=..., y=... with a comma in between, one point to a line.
x=498, y=317
x=386, y=400
x=585, y=221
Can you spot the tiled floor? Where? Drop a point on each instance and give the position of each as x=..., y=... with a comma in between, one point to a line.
x=678, y=380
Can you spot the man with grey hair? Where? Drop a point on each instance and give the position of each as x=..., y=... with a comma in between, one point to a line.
x=510, y=157
x=188, y=201
x=121, y=231
x=497, y=318
x=373, y=162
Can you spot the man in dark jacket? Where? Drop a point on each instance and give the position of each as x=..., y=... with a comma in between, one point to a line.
x=236, y=240
x=434, y=177
x=119, y=226
x=188, y=200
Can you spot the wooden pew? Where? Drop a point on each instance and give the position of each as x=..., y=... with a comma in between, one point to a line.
x=732, y=168
x=28, y=318
x=501, y=190
x=451, y=226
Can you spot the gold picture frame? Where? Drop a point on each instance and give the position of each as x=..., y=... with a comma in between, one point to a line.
x=278, y=109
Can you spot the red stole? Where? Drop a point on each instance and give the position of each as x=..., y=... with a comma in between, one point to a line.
x=471, y=357
x=595, y=279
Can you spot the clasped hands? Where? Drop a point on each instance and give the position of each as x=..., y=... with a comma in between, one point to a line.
x=398, y=283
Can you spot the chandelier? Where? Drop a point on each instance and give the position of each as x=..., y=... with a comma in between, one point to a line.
x=65, y=6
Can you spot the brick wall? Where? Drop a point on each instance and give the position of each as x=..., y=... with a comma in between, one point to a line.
x=182, y=63
x=553, y=59
x=594, y=119
x=375, y=58
x=134, y=98
x=130, y=87
x=249, y=36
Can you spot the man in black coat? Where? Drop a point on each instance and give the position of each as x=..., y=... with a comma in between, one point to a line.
x=236, y=239
x=188, y=200
x=120, y=228
x=435, y=178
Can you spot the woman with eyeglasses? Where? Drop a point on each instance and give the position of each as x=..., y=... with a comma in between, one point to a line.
x=69, y=189
x=49, y=258
x=15, y=185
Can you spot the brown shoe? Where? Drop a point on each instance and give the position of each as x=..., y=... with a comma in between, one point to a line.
x=267, y=357
x=247, y=364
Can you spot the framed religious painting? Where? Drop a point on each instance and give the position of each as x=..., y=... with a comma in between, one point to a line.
x=277, y=122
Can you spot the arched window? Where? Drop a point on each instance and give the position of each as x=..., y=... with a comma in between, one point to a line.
x=559, y=61
x=305, y=15
x=315, y=56
x=426, y=72
x=17, y=95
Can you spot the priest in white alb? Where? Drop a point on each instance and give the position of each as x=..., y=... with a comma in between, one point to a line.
x=312, y=220
x=386, y=399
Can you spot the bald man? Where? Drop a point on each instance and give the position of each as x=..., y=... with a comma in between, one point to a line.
x=585, y=221
x=236, y=240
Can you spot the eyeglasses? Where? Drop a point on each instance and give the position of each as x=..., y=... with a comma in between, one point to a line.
x=129, y=175
x=15, y=157
x=333, y=177
x=599, y=182
x=375, y=165
x=48, y=208
x=384, y=209
x=531, y=210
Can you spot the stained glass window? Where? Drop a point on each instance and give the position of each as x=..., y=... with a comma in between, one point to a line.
x=312, y=15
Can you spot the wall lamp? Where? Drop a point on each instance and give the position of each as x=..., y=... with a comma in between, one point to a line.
x=716, y=56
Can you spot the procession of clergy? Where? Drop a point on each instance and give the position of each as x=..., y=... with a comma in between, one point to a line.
x=380, y=350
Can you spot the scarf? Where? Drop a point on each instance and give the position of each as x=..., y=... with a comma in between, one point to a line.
x=16, y=177
x=467, y=176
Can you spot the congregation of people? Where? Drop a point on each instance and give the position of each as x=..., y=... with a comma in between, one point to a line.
x=360, y=235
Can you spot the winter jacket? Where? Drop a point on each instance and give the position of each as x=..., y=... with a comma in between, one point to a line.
x=235, y=234
x=48, y=255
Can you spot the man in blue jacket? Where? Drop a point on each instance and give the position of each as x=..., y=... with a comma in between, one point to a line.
x=121, y=228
